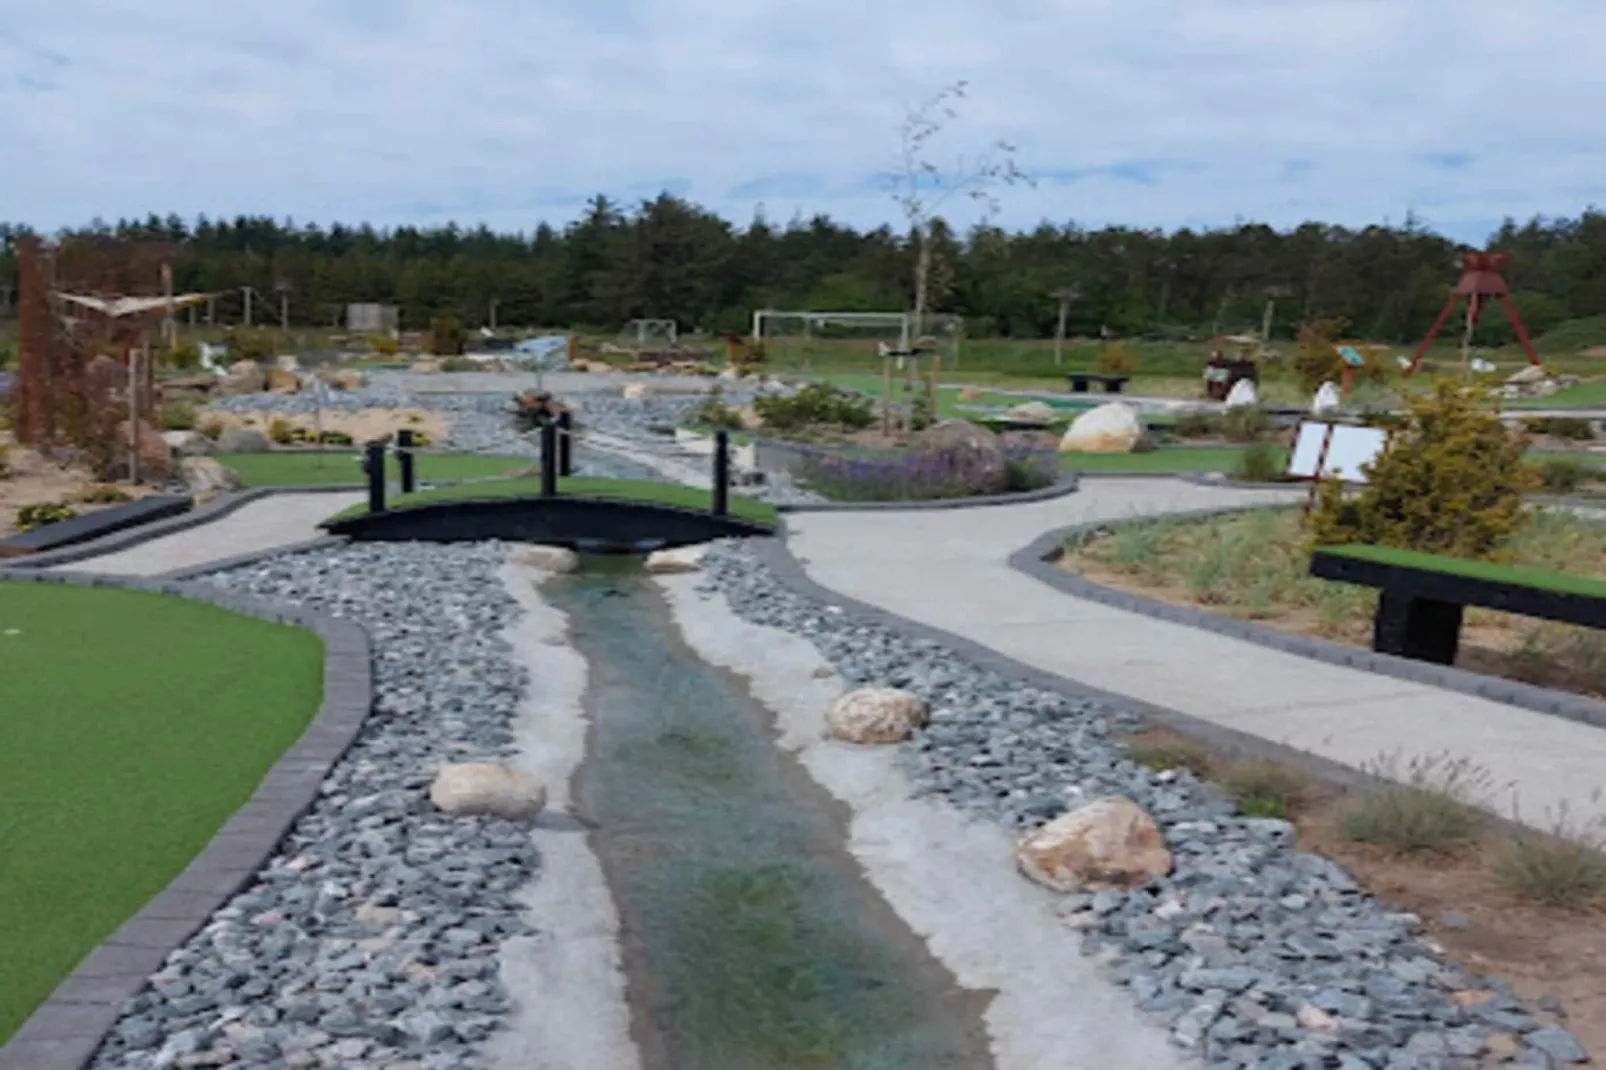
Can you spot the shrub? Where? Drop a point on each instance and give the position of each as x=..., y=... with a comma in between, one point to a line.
x=1562, y=475
x=104, y=494
x=1244, y=423
x=186, y=356
x=461, y=364
x=1451, y=481
x=29, y=517
x=1163, y=756
x=817, y=403
x=1265, y=788
x=1565, y=867
x=1260, y=463
x=281, y=431
x=335, y=438
x=8, y=356
x=713, y=412
x=1026, y=469
x=250, y=343
x=383, y=345
x=1569, y=427
x=178, y=416
x=1317, y=359
x=446, y=338
x=1431, y=807
x=1117, y=359
x=1195, y=424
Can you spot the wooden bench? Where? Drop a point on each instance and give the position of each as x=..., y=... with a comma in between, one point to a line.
x=1423, y=595
x=1112, y=383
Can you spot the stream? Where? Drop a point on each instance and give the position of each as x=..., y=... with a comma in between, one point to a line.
x=752, y=940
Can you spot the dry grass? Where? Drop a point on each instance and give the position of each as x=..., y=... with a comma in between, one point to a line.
x=1264, y=788
x=1564, y=867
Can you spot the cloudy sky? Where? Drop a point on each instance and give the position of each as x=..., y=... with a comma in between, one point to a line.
x=1158, y=113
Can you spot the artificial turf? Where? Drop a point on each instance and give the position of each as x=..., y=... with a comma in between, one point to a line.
x=1165, y=459
x=289, y=468
x=1540, y=579
x=582, y=487
x=132, y=725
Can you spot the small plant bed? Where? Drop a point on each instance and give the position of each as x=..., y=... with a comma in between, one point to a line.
x=305, y=469
x=1255, y=565
x=1527, y=907
x=581, y=487
x=133, y=726
x=35, y=490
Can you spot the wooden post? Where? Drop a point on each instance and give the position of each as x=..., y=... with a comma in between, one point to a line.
x=932, y=384
x=133, y=414
x=722, y=472
x=886, y=397
x=374, y=466
x=1316, y=479
x=549, y=459
x=404, y=459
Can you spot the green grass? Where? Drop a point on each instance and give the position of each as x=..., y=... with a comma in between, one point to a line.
x=1542, y=579
x=293, y=469
x=132, y=725
x=1591, y=394
x=949, y=405
x=1165, y=459
x=579, y=486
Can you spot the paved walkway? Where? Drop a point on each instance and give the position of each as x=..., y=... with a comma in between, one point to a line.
x=949, y=570
x=278, y=520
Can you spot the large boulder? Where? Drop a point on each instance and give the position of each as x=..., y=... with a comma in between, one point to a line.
x=1243, y=394
x=875, y=715
x=749, y=418
x=676, y=559
x=343, y=378
x=486, y=788
x=155, y=459
x=974, y=449
x=1110, y=428
x=244, y=377
x=1109, y=843
x=1031, y=412
x=205, y=478
x=236, y=439
x=283, y=381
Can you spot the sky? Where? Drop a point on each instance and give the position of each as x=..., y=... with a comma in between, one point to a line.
x=1145, y=113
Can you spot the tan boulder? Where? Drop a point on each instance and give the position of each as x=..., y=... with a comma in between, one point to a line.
x=971, y=394
x=155, y=457
x=875, y=715
x=548, y=558
x=244, y=377
x=676, y=559
x=205, y=478
x=425, y=367
x=1031, y=412
x=486, y=788
x=283, y=381
x=749, y=418
x=1109, y=843
x=1110, y=428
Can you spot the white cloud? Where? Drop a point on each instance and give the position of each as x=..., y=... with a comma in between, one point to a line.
x=402, y=110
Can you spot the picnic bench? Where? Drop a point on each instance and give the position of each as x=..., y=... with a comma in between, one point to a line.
x=1423, y=596
x=1112, y=383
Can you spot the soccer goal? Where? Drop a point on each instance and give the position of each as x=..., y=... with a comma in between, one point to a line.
x=809, y=340
x=648, y=335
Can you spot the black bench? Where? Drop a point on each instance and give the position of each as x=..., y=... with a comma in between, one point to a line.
x=1423, y=596
x=1112, y=383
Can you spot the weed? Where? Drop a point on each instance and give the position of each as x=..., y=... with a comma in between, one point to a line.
x=1264, y=788
x=1563, y=867
x=1162, y=756
x=103, y=494
x=1431, y=805
x=1195, y=424
x=1245, y=423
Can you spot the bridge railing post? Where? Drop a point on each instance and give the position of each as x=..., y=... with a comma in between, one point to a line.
x=404, y=460
x=565, y=443
x=374, y=467
x=722, y=472
x=549, y=459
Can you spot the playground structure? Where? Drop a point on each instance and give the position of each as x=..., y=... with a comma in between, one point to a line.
x=1481, y=280
x=906, y=352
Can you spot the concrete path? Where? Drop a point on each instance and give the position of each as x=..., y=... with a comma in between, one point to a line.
x=949, y=570
x=278, y=520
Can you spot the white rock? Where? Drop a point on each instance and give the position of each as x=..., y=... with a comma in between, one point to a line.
x=1528, y=376
x=206, y=479
x=548, y=558
x=1243, y=393
x=188, y=443
x=486, y=788
x=636, y=391
x=1326, y=400
x=874, y=715
x=1110, y=428
x=1036, y=412
x=676, y=559
x=1108, y=843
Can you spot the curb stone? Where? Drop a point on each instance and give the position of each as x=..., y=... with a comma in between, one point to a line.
x=1059, y=489
x=67, y=1029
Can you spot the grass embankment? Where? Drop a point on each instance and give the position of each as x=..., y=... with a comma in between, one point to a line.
x=579, y=487
x=1254, y=565
x=132, y=725
x=289, y=468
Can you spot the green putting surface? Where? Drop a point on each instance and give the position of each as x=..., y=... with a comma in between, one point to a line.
x=580, y=487
x=132, y=726
x=1540, y=579
x=293, y=469
x=1180, y=459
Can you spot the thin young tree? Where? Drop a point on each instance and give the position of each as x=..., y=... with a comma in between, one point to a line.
x=921, y=188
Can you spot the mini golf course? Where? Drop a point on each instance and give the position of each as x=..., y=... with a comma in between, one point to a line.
x=132, y=726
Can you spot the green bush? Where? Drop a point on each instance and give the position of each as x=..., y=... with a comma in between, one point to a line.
x=104, y=494
x=1430, y=805
x=178, y=416
x=1259, y=463
x=713, y=412
x=446, y=337
x=8, y=356
x=251, y=343
x=335, y=438
x=28, y=517
x=186, y=356
x=1562, y=475
x=281, y=431
x=1569, y=427
x=1245, y=423
x=1451, y=482
x=1195, y=424
x=816, y=404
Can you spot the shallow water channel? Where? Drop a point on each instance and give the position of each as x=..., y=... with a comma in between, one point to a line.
x=752, y=939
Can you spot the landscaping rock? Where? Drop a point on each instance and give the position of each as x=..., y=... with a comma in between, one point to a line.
x=973, y=449
x=205, y=478
x=1326, y=401
x=1243, y=394
x=1110, y=428
x=243, y=377
x=1036, y=412
x=188, y=443
x=548, y=558
x=677, y=559
x=155, y=459
x=283, y=381
x=236, y=439
x=874, y=715
x=635, y=391
x=1109, y=843
x=485, y=788
x=970, y=394
x=750, y=419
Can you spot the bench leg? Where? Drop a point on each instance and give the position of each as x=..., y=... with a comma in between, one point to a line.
x=1112, y=388
x=1078, y=386
x=1417, y=628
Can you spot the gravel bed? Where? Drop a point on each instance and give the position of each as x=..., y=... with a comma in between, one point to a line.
x=1258, y=955
x=371, y=939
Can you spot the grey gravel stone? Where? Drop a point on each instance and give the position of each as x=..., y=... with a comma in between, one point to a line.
x=1559, y=1044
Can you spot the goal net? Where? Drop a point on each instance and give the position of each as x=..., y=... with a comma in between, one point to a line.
x=647, y=335
x=851, y=341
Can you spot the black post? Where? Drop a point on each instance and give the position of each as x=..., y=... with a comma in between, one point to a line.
x=374, y=465
x=565, y=443
x=549, y=459
x=722, y=472
x=404, y=458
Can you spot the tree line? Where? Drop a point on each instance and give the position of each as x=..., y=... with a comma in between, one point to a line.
x=671, y=259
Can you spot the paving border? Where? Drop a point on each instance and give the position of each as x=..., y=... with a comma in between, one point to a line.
x=66, y=1030
x=1037, y=558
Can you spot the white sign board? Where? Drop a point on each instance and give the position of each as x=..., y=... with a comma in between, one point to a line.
x=1348, y=450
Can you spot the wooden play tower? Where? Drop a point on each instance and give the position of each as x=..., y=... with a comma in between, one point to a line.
x=1481, y=279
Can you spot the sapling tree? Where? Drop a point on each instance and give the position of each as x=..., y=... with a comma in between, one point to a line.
x=921, y=188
